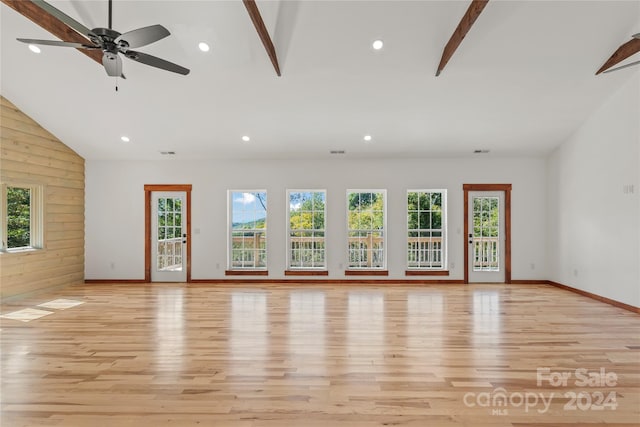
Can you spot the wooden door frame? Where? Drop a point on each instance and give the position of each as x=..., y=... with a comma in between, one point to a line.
x=507, y=225
x=148, y=189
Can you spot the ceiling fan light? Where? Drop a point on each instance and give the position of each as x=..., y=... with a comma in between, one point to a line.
x=33, y=48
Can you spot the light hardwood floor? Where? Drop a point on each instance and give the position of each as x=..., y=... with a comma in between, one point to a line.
x=210, y=355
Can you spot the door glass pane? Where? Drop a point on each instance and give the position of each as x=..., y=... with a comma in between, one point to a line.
x=486, y=239
x=169, y=234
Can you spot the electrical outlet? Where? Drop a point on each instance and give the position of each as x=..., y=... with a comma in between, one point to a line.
x=112, y=265
x=452, y=266
x=533, y=266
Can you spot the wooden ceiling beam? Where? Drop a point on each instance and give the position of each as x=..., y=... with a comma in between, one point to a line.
x=258, y=23
x=55, y=26
x=475, y=9
x=623, y=52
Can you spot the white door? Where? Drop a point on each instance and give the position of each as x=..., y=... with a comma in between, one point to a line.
x=168, y=236
x=486, y=237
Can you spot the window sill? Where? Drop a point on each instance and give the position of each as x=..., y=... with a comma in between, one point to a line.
x=246, y=272
x=306, y=273
x=426, y=273
x=366, y=272
x=20, y=251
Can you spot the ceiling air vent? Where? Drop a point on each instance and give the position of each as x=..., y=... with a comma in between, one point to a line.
x=337, y=152
x=168, y=153
x=480, y=151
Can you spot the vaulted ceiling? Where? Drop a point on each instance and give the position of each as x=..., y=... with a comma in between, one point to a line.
x=519, y=82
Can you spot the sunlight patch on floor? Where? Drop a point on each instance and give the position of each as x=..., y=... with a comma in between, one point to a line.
x=60, y=304
x=26, y=314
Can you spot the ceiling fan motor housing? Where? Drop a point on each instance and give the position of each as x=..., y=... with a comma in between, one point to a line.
x=105, y=38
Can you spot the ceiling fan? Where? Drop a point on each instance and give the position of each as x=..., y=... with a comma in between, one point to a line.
x=111, y=43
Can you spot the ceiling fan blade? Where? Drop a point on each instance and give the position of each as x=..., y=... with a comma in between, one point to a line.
x=622, y=66
x=112, y=64
x=48, y=18
x=63, y=17
x=144, y=36
x=156, y=62
x=58, y=43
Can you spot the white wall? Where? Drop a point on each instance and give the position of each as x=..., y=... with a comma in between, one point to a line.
x=115, y=208
x=594, y=235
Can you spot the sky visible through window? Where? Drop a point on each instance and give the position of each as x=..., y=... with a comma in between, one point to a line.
x=248, y=208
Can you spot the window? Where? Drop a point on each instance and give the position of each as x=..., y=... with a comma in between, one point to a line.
x=426, y=229
x=248, y=225
x=306, y=244
x=22, y=217
x=366, y=229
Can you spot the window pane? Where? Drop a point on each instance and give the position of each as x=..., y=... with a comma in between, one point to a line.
x=425, y=238
x=436, y=220
x=18, y=217
x=306, y=229
x=366, y=246
x=249, y=225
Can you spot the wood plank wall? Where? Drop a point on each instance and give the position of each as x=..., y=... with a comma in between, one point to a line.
x=31, y=155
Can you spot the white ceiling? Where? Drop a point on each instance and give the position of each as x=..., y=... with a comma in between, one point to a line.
x=520, y=83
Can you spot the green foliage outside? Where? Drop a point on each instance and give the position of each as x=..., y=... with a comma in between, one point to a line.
x=308, y=213
x=425, y=211
x=366, y=211
x=169, y=218
x=486, y=217
x=250, y=225
x=18, y=217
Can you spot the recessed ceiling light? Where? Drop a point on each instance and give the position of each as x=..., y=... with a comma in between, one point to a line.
x=125, y=139
x=377, y=44
x=203, y=47
x=246, y=138
x=33, y=48
x=367, y=138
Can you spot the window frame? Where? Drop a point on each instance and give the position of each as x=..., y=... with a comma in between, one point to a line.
x=230, y=266
x=383, y=231
x=289, y=230
x=36, y=217
x=444, y=249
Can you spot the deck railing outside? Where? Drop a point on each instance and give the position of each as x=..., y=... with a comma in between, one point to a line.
x=170, y=254
x=486, y=253
x=424, y=252
x=363, y=252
